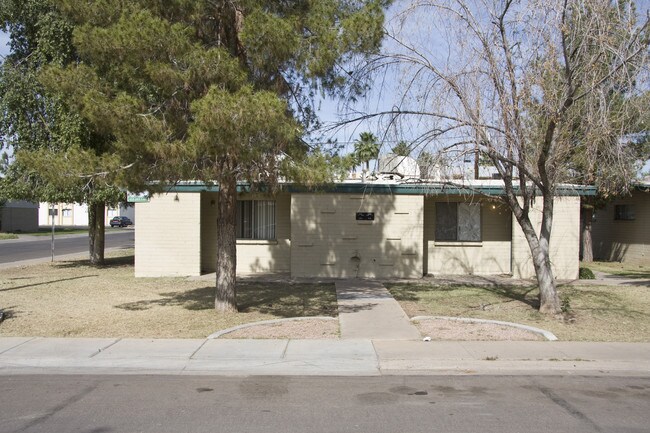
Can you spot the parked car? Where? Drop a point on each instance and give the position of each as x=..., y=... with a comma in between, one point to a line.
x=120, y=221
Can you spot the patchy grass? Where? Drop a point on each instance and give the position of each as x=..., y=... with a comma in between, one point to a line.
x=623, y=269
x=597, y=313
x=5, y=236
x=57, y=231
x=73, y=299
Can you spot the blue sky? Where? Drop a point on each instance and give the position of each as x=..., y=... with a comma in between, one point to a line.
x=4, y=44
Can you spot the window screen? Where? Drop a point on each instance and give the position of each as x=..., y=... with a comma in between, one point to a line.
x=446, y=222
x=458, y=222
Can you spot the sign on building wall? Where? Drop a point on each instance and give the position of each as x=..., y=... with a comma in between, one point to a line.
x=142, y=197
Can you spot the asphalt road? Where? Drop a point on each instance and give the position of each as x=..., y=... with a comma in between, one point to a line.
x=11, y=251
x=450, y=404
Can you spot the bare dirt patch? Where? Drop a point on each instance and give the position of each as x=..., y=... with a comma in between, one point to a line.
x=294, y=329
x=450, y=330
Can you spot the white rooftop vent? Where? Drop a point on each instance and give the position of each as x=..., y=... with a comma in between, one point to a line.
x=404, y=166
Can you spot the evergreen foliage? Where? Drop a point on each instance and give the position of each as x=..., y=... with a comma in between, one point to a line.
x=219, y=91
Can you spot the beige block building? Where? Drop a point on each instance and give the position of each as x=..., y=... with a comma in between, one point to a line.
x=330, y=239
x=168, y=240
x=352, y=230
x=621, y=230
x=564, y=244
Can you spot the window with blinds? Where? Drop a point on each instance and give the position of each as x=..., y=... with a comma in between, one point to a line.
x=256, y=219
x=458, y=222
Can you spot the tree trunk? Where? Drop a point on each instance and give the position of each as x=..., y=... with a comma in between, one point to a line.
x=587, y=246
x=549, y=302
x=226, y=296
x=96, y=229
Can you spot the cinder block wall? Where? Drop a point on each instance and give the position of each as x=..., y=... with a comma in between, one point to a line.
x=19, y=217
x=253, y=256
x=168, y=236
x=328, y=241
x=623, y=241
x=564, y=244
x=489, y=257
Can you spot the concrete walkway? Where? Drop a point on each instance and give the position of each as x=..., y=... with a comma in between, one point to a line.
x=605, y=279
x=368, y=311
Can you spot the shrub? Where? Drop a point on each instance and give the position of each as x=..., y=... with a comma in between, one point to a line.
x=586, y=274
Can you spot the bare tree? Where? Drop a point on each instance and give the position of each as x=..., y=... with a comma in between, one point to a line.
x=511, y=81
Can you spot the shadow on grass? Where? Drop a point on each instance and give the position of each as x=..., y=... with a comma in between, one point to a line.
x=8, y=313
x=195, y=299
x=623, y=270
x=633, y=274
x=603, y=303
x=415, y=293
x=47, y=282
x=277, y=299
x=110, y=262
x=356, y=307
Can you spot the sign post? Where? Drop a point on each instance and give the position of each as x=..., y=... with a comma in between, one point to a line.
x=53, y=213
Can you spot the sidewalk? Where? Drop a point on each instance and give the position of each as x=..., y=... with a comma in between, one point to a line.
x=362, y=357
x=604, y=279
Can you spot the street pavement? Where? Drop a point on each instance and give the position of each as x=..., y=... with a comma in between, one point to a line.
x=28, y=250
x=295, y=404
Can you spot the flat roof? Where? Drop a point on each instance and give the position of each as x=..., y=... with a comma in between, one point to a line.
x=482, y=187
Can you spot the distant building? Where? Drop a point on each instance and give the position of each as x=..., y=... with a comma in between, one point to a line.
x=19, y=216
x=76, y=215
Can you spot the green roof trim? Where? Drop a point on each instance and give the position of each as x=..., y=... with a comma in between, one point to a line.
x=397, y=189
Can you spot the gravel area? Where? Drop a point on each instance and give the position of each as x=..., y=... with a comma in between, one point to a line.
x=441, y=329
x=437, y=329
x=294, y=329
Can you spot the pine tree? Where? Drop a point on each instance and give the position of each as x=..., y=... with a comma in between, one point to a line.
x=220, y=91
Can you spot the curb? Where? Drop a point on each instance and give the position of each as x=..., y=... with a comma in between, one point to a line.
x=546, y=334
x=265, y=322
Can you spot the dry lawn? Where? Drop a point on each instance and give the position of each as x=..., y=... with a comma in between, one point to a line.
x=73, y=299
x=595, y=313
